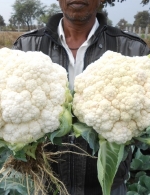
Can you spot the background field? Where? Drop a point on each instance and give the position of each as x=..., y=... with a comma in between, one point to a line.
x=8, y=38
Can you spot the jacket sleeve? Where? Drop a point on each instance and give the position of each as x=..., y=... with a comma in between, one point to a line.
x=132, y=46
x=146, y=50
x=29, y=42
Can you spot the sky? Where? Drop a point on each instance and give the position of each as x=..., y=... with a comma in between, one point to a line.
x=126, y=10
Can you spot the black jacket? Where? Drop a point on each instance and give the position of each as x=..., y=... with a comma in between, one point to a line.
x=79, y=173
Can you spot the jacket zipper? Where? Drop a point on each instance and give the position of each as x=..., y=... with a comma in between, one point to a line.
x=85, y=56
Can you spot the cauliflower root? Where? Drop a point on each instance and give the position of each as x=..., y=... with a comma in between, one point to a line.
x=38, y=170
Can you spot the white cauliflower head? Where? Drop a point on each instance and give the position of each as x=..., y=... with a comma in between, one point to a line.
x=33, y=92
x=113, y=96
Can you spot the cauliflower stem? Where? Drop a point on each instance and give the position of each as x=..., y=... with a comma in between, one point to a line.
x=109, y=154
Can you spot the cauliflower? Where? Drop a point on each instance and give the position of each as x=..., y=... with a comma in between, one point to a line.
x=113, y=96
x=34, y=95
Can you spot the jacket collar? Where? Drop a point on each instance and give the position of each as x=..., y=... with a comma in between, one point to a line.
x=52, y=25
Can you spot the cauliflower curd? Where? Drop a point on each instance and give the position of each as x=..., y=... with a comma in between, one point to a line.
x=113, y=96
x=33, y=91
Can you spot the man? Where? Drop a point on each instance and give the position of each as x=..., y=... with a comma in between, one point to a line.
x=75, y=39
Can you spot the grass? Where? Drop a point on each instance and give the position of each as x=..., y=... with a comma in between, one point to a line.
x=8, y=38
x=147, y=41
